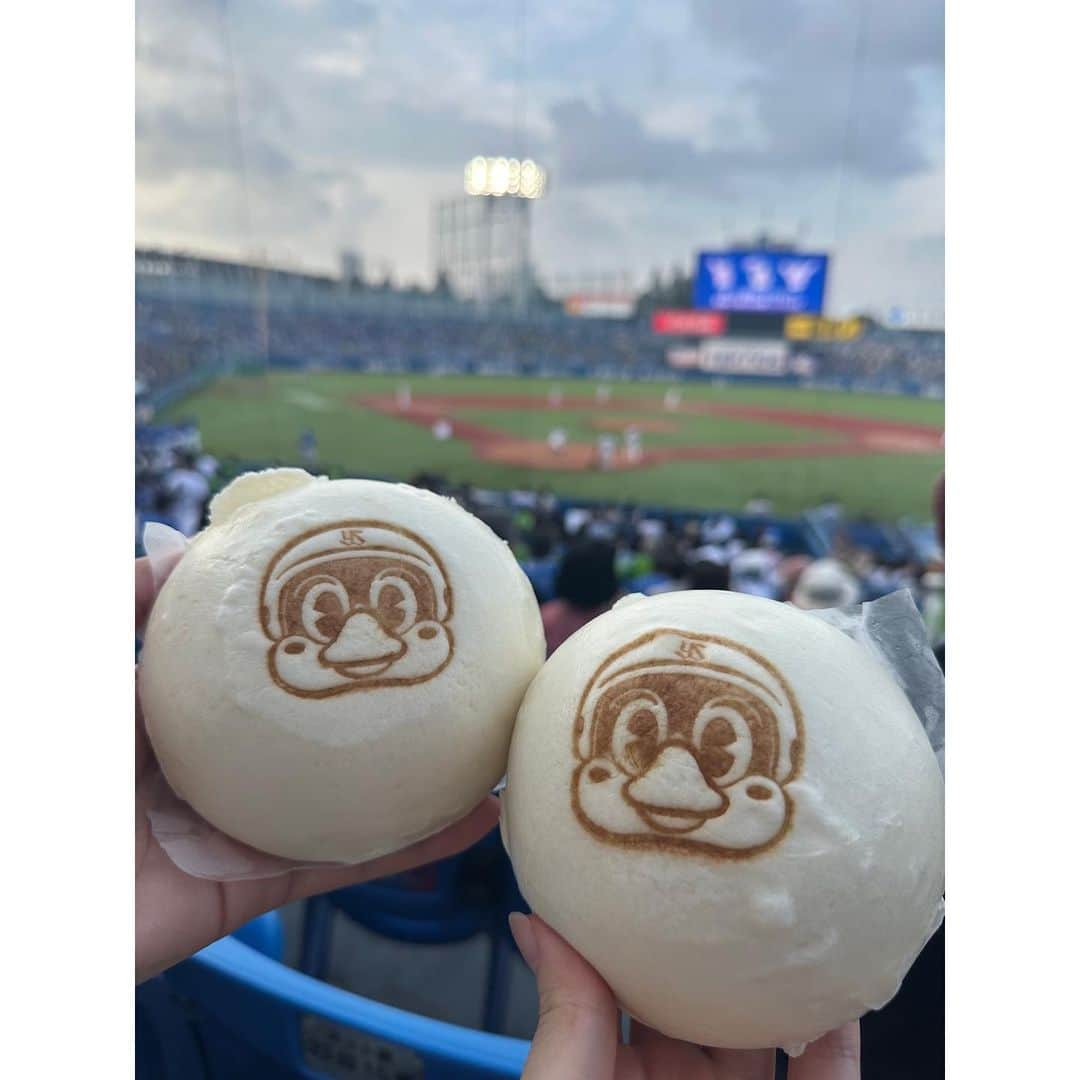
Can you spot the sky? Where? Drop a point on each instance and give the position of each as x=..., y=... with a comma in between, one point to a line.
x=290, y=130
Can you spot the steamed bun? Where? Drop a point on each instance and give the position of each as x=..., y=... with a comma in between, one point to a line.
x=332, y=670
x=731, y=810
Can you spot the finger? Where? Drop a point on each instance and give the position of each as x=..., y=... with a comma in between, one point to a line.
x=832, y=1057
x=451, y=840
x=144, y=591
x=742, y=1064
x=226, y=905
x=662, y=1055
x=577, y=1031
x=152, y=572
x=629, y=1064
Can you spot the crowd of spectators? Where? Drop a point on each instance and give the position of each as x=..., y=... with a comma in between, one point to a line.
x=581, y=558
x=175, y=336
x=885, y=356
x=174, y=480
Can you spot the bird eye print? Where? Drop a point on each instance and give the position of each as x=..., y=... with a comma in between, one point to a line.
x=686, y=744
x=323, y=609
x=353, y=606
x=640, y=728
x=392, y=595
x=724, y=743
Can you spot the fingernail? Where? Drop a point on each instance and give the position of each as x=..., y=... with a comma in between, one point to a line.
x=524, y=938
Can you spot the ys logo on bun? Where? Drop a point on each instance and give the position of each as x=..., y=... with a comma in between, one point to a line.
x=685, y=742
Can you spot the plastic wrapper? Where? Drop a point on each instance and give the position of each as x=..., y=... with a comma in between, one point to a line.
x=890, y=628
x=893, y=630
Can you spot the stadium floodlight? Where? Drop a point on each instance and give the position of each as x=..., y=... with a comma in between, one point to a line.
x=532, y=179
x=476, y=176
x=499, y=176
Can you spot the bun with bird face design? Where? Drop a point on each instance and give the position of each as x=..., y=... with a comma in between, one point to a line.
x=731, y=810
x=332, y=670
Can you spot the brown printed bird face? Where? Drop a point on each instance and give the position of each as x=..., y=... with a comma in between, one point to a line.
x=353, y=606
x=685, y=742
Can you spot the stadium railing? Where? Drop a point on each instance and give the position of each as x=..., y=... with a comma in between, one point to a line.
x=230, y=1010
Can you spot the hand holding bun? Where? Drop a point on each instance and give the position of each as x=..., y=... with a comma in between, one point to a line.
x=332, y=671
x=731, y=811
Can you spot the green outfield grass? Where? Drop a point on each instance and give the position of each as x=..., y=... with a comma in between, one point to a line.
x=261, y=417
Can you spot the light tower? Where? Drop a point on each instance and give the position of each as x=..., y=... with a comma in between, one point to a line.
x=482, y=237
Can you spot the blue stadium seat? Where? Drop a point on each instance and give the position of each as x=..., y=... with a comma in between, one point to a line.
x=166, y=1044
x=646, y=583
x=444, y=902
x=231, y=1011
x=883, y=541
x=541, y=574
x=792, y=537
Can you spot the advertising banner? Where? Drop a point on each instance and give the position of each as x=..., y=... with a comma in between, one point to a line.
x=689, y=322
x=816, y=328
x=728, y=357
x=683, y=357
x=600, y=307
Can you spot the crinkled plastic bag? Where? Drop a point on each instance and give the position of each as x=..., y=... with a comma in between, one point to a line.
x=892, y=629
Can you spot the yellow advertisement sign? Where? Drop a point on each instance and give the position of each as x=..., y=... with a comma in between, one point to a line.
x=817, y=328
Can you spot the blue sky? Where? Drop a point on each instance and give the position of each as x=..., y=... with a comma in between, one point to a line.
x=295, y=128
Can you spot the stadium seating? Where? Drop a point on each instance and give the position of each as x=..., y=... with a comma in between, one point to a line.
x=181, y=337
x=166, y=1042
x=231, y=1011
x=448, y=901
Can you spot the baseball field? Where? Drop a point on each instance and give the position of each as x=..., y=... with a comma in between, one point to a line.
x=690, y=446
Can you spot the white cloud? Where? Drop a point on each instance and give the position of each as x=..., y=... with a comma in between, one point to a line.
x=667, y=128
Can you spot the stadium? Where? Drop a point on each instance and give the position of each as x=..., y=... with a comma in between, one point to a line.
x=256, y=358
x=738, y=423
x=693, y=462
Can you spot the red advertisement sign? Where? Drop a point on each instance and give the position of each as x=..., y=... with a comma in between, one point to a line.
x=702, y=323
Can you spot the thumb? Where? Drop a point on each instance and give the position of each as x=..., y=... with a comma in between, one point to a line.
x=577, y=1031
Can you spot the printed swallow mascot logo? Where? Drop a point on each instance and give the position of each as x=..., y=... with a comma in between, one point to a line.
x=685, y=742
x=353, y=606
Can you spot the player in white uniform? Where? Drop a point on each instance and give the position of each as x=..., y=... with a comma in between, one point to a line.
x=605, y=452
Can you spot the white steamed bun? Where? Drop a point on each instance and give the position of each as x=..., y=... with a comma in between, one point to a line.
x=332, y=670
x=731, y=810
